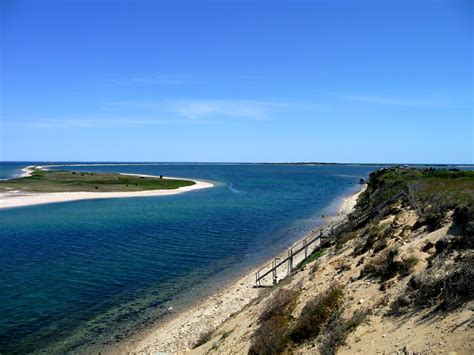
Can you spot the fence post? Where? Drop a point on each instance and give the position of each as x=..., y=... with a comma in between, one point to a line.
x=274, y=272
x=289, y=261
x=290, y=268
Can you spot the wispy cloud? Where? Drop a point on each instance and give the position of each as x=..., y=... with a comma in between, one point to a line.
x=231, y=108
x=193, y=109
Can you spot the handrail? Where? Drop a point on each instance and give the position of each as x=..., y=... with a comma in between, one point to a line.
x=335, y=230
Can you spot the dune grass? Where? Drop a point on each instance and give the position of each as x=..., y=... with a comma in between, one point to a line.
x=431, y=191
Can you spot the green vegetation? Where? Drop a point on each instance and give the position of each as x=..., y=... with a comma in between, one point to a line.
x=272, y=335
x=343, y=239
x=432, y=192
x=71, y=181
x=279, y=331
x=431, y=199
x=316, y=313
x=438, y=196
x=312, y=257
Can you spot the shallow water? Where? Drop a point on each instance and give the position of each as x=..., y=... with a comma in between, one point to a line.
x=81, y=274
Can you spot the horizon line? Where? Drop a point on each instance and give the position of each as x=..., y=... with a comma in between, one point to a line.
x=104, y=162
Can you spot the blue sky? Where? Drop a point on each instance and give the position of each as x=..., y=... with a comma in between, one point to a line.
x=237, y=81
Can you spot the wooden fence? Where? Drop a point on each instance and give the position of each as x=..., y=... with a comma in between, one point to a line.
x=314, y=241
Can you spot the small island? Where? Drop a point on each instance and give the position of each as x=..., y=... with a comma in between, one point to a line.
x=80, y=181
x=39, y=186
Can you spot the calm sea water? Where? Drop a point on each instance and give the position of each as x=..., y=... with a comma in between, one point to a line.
x=81, y=274
x=9, y=170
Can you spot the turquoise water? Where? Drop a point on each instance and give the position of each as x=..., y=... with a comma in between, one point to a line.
x=80, y=275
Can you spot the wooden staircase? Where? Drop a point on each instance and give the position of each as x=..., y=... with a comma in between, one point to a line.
x=314, y=241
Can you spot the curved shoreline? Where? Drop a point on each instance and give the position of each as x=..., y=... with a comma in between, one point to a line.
x=181, y=330
x=20, y=199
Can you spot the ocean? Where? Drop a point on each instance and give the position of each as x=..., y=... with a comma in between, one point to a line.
x=78, y=276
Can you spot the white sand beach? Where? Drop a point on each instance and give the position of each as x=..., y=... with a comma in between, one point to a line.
x=27, y=171
x=19, y=198
x=179, y=332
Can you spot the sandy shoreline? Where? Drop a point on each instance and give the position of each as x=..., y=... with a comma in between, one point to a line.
x=180, y=331
x=20, y=199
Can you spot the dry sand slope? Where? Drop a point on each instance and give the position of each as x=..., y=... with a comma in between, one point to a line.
x=380, y=332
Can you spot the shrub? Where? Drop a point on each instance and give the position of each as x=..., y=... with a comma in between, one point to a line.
x=281, y=303
x=463, y=215
x=399, y=306
x=445, y=291
x=366, y=246
x=316, y=313
x=434, y=220
x=448, y=291
x=225, y=335
x=344, y=238
x=271, y=336
x=337, y=330
x=380, y=245
x=357, y=318
x=344, y=267
x=334, y=336
x=409, y=262
x=464, y=218
x=441, y=245
x=385, y=266
x=375, y=239
x=370, y=268
x=313, y=269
